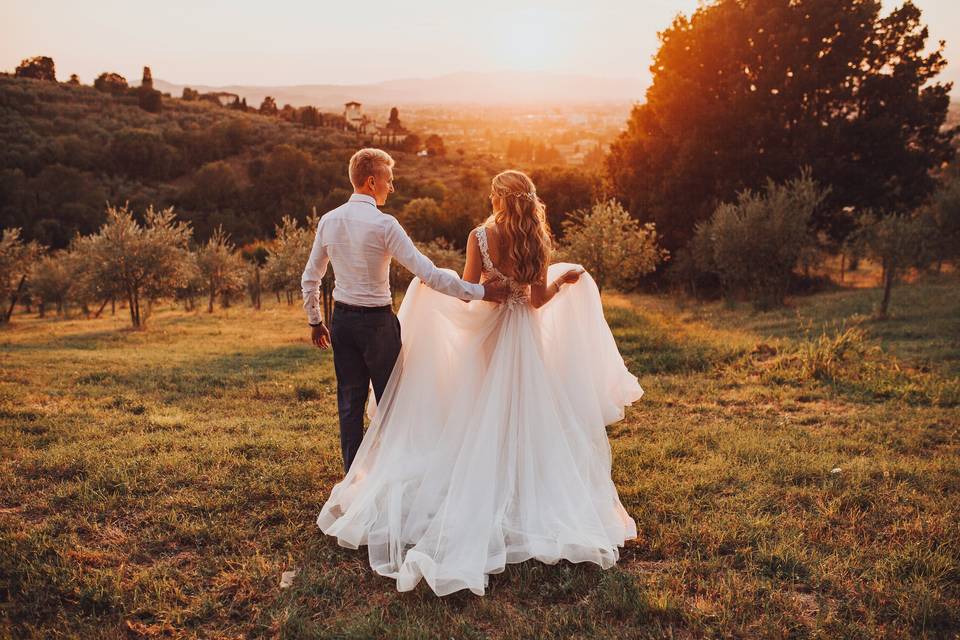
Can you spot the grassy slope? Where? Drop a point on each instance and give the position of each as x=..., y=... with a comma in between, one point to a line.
x=159, y=482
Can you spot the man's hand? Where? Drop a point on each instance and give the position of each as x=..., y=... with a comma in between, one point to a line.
x=320, y=336
x=496, y=290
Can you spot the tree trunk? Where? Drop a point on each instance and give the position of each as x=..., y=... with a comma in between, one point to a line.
x=113, y=306
x=41, y=309
x=843, y=264
x=213, y=292
x=13, y=300
x=100, y=310
x=888, y=275
x=133, y=314
x=256, y=302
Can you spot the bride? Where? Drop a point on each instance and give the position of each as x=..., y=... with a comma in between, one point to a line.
x=488, y=445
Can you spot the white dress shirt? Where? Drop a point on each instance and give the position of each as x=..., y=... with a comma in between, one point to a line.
x=360, y=240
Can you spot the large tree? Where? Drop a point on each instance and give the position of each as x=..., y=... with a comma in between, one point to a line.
x=745, y=90
x=38, y=68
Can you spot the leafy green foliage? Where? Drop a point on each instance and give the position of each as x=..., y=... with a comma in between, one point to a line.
x=897, y=242
x=611, y=245
x=754, y=245
x=140, y=263
x=222, y=268
x=16, y=261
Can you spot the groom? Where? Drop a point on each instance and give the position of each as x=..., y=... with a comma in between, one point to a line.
x=360, y=240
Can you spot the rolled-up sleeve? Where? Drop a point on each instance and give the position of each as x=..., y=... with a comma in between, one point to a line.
x=401, y=247
x=312, y=275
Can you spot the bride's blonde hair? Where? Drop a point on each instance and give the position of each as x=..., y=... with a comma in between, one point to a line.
x=523, y=222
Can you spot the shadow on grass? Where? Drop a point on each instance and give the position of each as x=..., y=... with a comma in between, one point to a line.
x=86, y=341
x=210, y=376
x=649, y=348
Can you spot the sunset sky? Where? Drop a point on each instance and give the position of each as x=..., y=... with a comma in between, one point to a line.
x=306, y=42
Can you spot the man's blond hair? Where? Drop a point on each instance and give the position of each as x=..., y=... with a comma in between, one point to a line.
x=368, y=162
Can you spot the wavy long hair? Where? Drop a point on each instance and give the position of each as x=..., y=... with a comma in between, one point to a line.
x=523, y=222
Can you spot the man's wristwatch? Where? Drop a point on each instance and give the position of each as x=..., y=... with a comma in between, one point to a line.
x=320, y=324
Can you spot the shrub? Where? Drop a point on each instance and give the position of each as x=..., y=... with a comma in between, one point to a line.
x=421, y=218
x=440, y=252
x=754, y=245
x=611, y=245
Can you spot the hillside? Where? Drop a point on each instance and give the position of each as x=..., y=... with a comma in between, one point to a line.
x=65, y=150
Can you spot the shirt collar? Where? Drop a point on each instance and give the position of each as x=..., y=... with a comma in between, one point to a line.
x=362, y=197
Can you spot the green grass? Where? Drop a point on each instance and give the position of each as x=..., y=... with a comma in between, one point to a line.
x=157, y=483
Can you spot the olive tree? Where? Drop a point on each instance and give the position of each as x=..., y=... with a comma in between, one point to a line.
x=755, y=243
x=616, y=249
x=222, y=268
x=897, y=242
x=16, y=261
x=51, y=280
x=288, y=254
x=144, y=263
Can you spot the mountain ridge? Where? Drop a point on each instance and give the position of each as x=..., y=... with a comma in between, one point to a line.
x=474, y=87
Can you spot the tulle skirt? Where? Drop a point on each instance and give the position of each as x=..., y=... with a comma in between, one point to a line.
x=488, y=446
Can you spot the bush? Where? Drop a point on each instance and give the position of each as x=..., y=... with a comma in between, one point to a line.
x=754, y=245
x=611, y=245
x=440, y=252
x=288, y=255
x=421, y=218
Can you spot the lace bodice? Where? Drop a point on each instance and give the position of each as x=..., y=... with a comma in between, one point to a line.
x=519, y=293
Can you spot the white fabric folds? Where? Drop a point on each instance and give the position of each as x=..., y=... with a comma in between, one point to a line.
x=489, y=445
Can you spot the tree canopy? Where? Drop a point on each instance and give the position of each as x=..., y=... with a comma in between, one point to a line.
x=745, y=90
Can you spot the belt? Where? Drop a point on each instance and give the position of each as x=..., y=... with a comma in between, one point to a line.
x=350, y=307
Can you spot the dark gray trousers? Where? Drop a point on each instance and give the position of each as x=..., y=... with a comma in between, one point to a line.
x=365, y=348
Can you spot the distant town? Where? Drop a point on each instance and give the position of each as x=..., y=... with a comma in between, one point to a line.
x=575, y=135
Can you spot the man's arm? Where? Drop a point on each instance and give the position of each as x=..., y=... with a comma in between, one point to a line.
x=310, y=282
x=402, y=248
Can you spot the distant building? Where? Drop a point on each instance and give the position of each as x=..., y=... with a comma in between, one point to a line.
x=353, y=114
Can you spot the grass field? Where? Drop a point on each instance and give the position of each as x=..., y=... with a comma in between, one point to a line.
x=792, y=474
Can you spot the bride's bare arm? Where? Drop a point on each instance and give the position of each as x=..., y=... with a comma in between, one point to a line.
x=471, y=270
x=541, y=293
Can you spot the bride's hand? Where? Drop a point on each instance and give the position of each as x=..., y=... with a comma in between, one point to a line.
x=571, y=276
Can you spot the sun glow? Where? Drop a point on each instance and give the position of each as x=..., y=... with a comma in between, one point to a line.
x=531, y=40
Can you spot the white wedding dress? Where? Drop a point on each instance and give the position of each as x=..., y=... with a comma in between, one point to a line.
x=489, y=445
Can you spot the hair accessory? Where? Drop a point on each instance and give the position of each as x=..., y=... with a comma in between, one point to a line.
x=529, y=195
